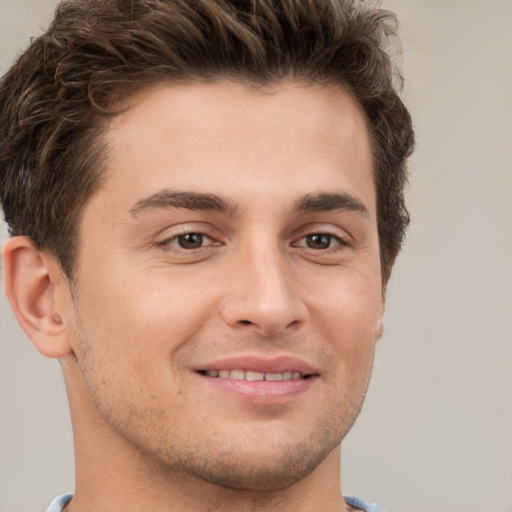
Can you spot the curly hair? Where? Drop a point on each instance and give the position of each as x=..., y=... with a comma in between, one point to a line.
x=56, y=100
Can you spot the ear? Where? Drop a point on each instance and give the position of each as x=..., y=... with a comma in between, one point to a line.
x=380, y=324
x=37, y=289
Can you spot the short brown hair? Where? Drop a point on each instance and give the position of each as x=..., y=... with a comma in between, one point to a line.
x=55, y=99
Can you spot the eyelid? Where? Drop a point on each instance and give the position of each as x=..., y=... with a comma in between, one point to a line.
x=323, y=228
x=173, y=232
x=174, y=238
x=341, y=241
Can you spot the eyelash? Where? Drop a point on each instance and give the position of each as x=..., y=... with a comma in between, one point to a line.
x=168, y=243
x=341, y=242
x=174, y=242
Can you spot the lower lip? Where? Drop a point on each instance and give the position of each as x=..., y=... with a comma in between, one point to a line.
x=261, y=391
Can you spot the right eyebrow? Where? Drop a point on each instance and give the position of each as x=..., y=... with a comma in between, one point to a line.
x=181, y=199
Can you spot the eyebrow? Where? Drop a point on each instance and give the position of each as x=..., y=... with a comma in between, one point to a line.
x=212, y=202
x=186, y=200
x=327, y=202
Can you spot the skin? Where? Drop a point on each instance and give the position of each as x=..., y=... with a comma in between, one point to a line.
x=285, y=264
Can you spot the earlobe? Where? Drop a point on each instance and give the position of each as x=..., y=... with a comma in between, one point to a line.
x=380, y=325
x=34, y=286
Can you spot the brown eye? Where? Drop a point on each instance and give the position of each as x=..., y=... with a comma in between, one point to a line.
x=190, y=240
x=319, y=241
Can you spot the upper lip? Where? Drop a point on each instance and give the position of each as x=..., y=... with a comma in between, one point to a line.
x=250, y=363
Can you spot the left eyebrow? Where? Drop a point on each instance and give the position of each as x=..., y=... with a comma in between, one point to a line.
x=327, y=202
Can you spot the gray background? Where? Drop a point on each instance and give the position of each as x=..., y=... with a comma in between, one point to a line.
x=436, y=431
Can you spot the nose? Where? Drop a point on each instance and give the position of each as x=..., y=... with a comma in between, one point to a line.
x=263, y=293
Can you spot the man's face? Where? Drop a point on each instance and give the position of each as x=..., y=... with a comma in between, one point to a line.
x=228, y=290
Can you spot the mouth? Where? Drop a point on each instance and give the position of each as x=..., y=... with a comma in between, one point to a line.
x=254, y=376
x=259, y=380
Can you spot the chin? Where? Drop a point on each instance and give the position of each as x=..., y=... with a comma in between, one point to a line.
x=258, y=471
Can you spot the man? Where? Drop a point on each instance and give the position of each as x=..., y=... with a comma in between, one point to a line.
x=205, y=200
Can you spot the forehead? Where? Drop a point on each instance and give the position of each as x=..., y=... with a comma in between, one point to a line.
x=216, y=136
x=228, y=108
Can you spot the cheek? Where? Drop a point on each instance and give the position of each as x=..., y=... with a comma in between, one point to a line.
x=349, y=316
x=150, y=314
x=350, y=306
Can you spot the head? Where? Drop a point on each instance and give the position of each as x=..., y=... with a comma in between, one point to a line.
x=59, y=97
x=145, y=150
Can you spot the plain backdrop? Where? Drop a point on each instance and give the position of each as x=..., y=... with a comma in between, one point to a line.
x=436, y=430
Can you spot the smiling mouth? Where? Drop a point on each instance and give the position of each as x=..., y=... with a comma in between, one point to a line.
x=253, y=376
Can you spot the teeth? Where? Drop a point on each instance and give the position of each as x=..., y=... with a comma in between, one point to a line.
x=253, y=376
x=273, y=376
